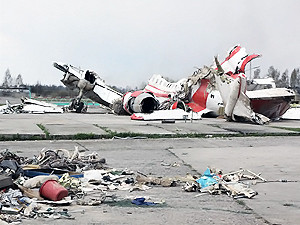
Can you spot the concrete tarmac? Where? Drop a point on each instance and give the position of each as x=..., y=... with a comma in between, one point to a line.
x=271, y=150
x=101, y=123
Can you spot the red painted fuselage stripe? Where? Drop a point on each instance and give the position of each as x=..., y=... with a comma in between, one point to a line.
x=246, y=60
x=236, y=50
x=136, y=93
x=157, y=94
x=200, y=96
x=156, y=88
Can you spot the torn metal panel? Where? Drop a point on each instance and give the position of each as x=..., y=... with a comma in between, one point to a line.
x=30, y=106
x=158, y=85
x=29, y=101
x=231, y=82
x=40, y=109
x=35, y=106
x=89, y=84
x=236, y=60
x=240, y=174
x=239, y=190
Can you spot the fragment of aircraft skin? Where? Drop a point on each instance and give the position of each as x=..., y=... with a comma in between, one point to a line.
x=236, y=102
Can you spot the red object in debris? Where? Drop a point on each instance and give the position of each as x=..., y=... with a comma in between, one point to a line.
x=53, y=190
x=134, y=117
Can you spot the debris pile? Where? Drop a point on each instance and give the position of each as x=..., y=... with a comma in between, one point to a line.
x=235, y=184
x=32, y=187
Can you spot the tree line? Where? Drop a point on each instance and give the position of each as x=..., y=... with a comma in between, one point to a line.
x=284, y=80
x=38, y=89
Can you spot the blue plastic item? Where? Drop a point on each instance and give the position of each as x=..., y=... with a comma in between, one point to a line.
x=141, y=201
x=33, y=173
x=207, y=179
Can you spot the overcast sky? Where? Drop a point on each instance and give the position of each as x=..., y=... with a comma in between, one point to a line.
x=126, y=41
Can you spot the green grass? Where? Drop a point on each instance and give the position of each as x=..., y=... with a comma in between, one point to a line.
x=85, y=136
x=44, y=129
x=19, y=137
x=112, y=134
x=296, y=129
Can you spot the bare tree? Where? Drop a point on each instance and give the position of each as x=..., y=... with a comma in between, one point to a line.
x=295, y=78
x=284, y=80
x=19, y=81
x=274, y=73
x=7, y=79
x=298, y=77
x=256, y=74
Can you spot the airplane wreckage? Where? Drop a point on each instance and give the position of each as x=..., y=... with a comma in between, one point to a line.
x=210, y=91
x=30, y=106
